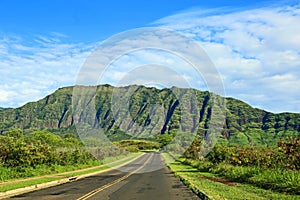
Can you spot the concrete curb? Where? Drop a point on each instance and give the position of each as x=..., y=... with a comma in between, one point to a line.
x=195, y=189
x=19, y=191
x=40, y=186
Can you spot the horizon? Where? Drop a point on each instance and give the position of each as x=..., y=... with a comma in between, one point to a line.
x=254, y=46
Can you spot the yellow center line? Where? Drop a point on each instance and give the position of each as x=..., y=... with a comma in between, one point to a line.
x=93, y=192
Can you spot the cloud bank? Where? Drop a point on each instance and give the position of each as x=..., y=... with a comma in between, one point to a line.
x=256, y=51
x=32, y=68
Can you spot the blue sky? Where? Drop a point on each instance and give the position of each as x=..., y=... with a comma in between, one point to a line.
x=255, y=45
x=91, y=20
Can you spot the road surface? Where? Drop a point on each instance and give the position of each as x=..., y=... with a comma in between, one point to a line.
x=146, y=178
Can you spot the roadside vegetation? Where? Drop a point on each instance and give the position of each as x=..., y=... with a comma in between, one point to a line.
x=135, y=145
x=275, y=168
x=273, y=172
x=72, y=173
x=40, y=153
x=210, y=186
x=229, y=171
x=37, y=153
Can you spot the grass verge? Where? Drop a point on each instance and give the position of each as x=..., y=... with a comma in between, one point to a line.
x=108, y=163
x=208, y=185
x=277, y=179
x=13, y=186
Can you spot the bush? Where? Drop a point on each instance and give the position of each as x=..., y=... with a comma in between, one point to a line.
x=290, y=147
x=275, y=168
x=33, y=150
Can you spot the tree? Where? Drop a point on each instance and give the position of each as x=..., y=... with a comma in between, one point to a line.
x=46, y=138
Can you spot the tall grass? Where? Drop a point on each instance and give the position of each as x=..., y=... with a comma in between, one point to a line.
x=277, y=179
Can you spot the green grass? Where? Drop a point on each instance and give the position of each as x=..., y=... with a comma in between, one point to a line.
x=279, y=180
x=110, y=162
x=12, y=186
x=14, y=173
x=9, y=174
x=200, y=183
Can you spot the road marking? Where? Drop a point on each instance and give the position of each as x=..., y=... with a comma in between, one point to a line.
x=94, y=192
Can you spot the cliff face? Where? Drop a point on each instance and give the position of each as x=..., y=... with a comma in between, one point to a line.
x=54, y=111
x=137, y=109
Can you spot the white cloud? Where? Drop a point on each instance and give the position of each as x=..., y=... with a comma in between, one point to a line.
x=31, y=70
x=7, y=96
x=120, y=55
x=148, y=66
x=256, y=51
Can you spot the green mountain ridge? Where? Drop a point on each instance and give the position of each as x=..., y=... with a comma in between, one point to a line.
x=150, y=111
x=2, y=108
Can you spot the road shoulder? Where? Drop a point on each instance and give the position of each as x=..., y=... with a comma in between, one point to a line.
x=37, y=183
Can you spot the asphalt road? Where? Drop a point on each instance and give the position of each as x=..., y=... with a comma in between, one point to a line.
x=146, y=178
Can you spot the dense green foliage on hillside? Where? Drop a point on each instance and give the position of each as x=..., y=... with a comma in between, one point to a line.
x=138, y=145
x=151, y=111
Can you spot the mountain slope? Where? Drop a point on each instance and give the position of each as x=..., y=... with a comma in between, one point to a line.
x=147, y=111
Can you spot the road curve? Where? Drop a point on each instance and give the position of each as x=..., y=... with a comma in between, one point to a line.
x=145, y=178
